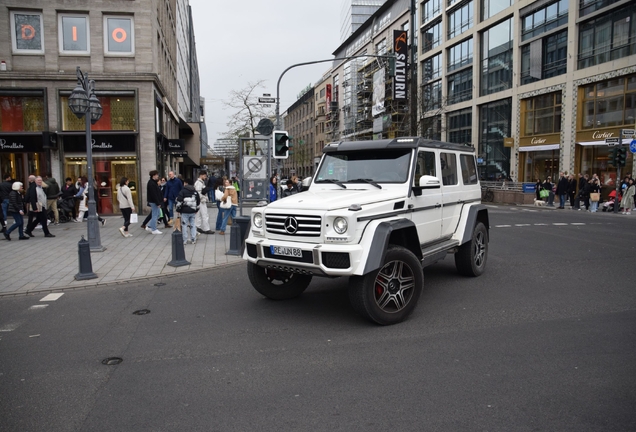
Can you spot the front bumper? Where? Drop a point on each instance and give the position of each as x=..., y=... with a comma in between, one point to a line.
x=330, y=260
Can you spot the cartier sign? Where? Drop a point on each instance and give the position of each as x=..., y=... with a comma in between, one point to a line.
x=597, y=135
x=540, y=140
x=602, y=135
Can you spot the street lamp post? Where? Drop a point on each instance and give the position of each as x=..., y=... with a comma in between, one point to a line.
x=84, y=103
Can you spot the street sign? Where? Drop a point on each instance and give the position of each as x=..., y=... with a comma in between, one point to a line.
x=255, y=167
x=632, y=146
x=628, y=132
x=266, y=100
x=612, y=141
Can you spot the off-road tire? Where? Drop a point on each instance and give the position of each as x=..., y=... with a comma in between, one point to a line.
x=471, y=257
x=389, y=294
x=276, y=284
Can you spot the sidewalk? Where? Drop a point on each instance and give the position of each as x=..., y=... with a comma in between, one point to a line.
x=42, y=264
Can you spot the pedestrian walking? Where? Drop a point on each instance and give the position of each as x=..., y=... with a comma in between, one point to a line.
x=230, y=191
x=5, y=193
x=83, y=203
x=155, y=198
x=577, y=198
x=163, y=212
x=218, y=194
x=562, y=189
x=571, y=189
x=30, y=195
x=595, y=195
x=126, y=205
x=68, y=195
x=212, y=180
x=52, y=194
x=548, y=185
x=202, y=220
x=38, y=206
x=171, y=190
x=16, y=209
x=538, y=187
x=188, y=203
x=627, y=203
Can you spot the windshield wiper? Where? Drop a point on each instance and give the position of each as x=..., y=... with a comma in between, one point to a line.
x=371, y=182
x=334, y=181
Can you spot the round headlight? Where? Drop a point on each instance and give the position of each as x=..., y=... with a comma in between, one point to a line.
x=340, y=225
x=258, y=220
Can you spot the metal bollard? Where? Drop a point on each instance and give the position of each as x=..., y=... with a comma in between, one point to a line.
x=178, y=251
x=85, y=264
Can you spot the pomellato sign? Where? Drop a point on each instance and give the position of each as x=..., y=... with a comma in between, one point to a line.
x=100, y=143
x=21, y=143
x=174, y=145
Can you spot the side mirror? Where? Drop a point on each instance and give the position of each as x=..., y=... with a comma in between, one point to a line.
x=429, y=182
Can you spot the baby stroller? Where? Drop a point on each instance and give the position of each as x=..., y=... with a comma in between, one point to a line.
x=65, y=209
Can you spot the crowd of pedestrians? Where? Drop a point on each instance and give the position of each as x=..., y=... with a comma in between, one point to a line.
x=587, y=191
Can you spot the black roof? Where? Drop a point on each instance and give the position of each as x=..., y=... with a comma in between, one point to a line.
x=402, y=142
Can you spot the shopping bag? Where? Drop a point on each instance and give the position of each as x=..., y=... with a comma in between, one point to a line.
x=134, y=218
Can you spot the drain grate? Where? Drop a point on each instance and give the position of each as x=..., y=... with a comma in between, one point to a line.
x=111, y=361
x=141, y=312
x=159, y=284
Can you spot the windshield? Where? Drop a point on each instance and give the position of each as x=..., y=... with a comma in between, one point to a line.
x=381, y=166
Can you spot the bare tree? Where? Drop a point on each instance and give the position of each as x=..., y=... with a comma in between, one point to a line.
x=247, y=112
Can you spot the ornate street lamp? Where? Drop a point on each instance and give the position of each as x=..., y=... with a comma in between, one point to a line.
x=83, y=102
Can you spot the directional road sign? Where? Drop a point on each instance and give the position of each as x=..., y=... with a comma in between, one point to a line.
x=628, y=132
x=612, y=141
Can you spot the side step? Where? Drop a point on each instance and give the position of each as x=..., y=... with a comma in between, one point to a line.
x=437, y=252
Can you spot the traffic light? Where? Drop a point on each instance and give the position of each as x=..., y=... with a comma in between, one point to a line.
x=613, y=157
x=281, y=145
x=621, y=157
x=392, y=66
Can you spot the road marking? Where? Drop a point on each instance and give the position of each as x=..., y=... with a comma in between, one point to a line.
x=559, y=224
x=541, y=224
x=503, y=226
x=11, y=326
x=37, y=307
x=522, y=224
x=577, y=223
x=52, y=297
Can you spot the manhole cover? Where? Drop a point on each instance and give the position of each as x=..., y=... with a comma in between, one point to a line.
x=159, y=284
x=141, y=312
x=110, y=361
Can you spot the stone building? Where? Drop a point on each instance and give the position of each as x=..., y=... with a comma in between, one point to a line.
x=130, y=50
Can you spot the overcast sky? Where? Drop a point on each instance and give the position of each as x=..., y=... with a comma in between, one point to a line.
x=242, y=41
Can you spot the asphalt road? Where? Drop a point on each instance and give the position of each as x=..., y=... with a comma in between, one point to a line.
x=545, y=340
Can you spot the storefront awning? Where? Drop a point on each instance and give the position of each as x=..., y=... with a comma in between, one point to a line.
x=189, y=162
x=539, y=147
x=626, y=141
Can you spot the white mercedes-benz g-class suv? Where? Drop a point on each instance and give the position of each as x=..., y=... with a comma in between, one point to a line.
x=377, y=212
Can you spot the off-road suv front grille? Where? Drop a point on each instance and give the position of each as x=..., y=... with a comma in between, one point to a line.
x=293, y=225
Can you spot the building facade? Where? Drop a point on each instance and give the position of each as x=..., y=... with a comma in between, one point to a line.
x=299, y=123
x=354, y=14
x=536, y=87
x=130, y=50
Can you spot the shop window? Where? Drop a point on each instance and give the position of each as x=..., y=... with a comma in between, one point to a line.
x=26, y=32
x=609, y=103
x=74, y=34
x=21, y=113
x=119, y=113
x=119, y=37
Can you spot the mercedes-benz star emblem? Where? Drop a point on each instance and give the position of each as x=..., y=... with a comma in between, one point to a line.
x=291, y=225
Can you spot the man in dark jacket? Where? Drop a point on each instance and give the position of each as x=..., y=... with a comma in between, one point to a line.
x=52, y=190
x=562, y=189
x=188, y=203
x=579, y=194
x=155, y=198
x=5, y=193
x=170, y=191
x=30, y=196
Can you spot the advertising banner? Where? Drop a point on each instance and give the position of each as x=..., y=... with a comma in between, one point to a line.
x=378, y=93
x=401, y=54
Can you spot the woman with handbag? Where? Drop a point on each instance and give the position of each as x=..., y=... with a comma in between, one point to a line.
x=126, y=205
x=595, y=195
x=229, y=203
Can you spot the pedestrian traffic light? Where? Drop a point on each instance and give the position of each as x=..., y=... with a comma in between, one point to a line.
x=281, y=145
x=613, y=156
x=621, y=158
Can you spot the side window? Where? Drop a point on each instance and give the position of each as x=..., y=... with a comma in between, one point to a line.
x=449, y=168
x=469, y=169
x=425, y=166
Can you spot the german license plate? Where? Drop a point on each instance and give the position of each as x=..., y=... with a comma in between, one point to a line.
x=286, y=251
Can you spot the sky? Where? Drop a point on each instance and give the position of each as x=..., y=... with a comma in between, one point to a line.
x=244, y=41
